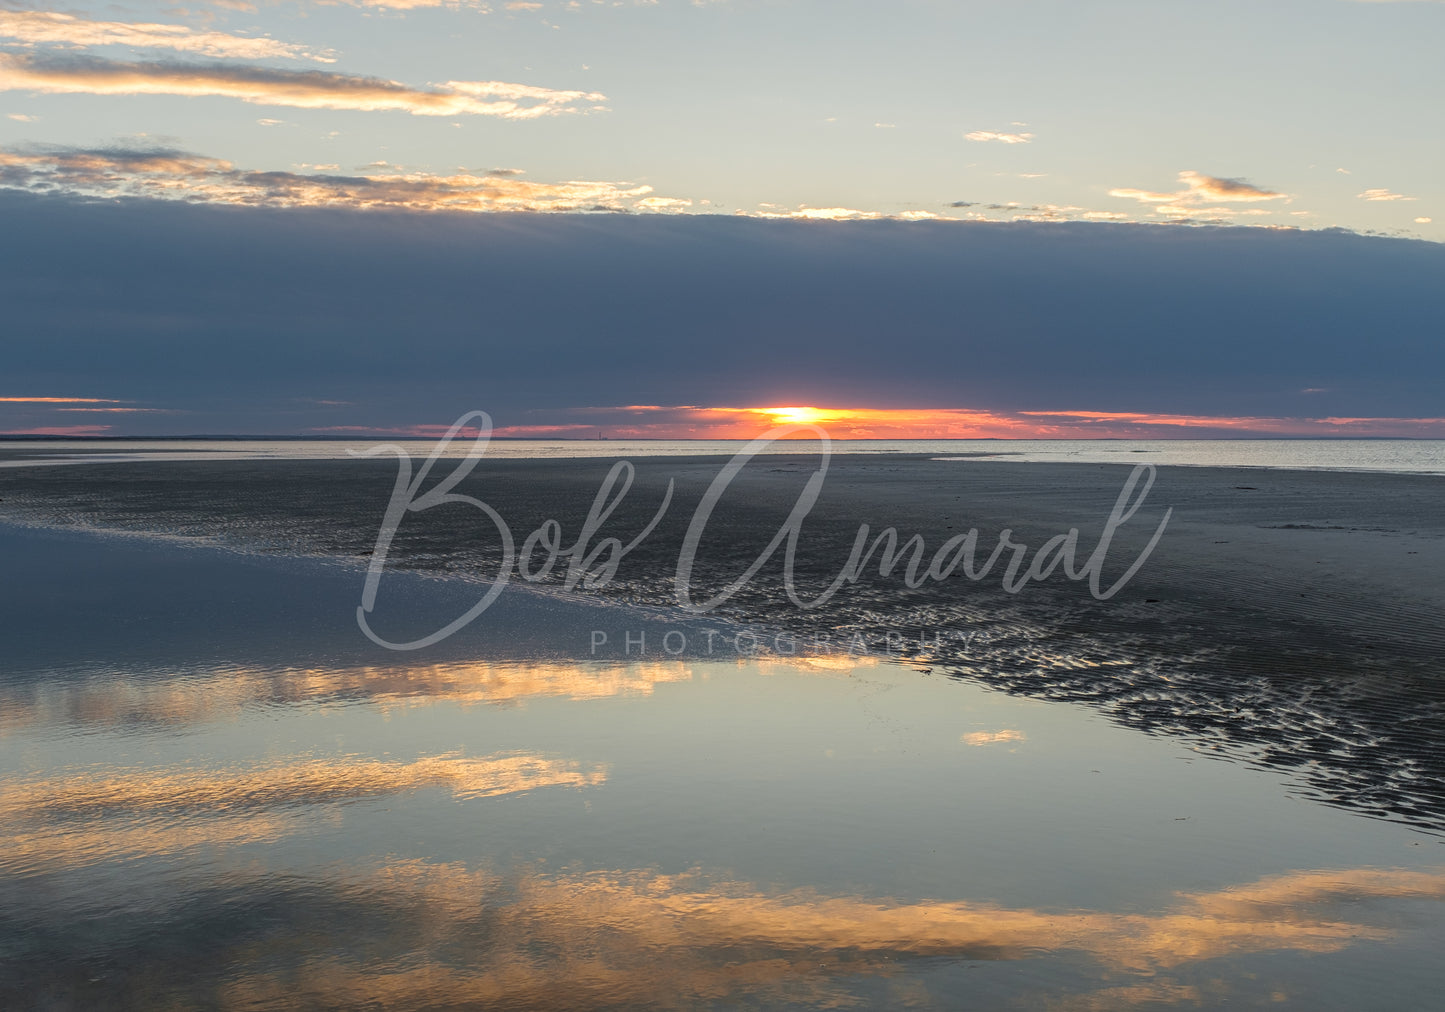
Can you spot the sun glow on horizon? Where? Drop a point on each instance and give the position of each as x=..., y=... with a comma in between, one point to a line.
x=800, y=416
x=655, y=421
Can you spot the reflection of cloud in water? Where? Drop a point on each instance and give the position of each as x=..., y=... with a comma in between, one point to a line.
x=1153, y=993
x=630, y=939
x=54, y=846
x=214, y=695
x=155, y=700
x=991, y=737
x=308, y=781
x=90, y=818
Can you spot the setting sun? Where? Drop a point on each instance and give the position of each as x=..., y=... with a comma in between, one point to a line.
x=798, y=416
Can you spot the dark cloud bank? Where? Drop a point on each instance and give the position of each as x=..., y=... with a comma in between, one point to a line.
x=236, y=313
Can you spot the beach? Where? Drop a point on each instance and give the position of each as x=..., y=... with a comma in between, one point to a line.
x=1221, y=784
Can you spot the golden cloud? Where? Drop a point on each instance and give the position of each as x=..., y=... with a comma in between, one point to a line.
x=48, y=27
x=1382, y=195
x=1201, y=192
x=174, y=175
x=296, y=89
x=406, y=5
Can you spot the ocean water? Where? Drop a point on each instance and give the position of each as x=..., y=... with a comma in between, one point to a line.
x=1401, y=456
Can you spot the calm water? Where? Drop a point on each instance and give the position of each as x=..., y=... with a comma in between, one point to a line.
x=1408, y=456
x=217, y=795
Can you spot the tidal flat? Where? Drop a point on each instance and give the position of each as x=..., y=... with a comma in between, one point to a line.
x=1223, y=785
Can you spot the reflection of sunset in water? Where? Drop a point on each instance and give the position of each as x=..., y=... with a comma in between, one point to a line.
x=158, y=701
x=310, y=781
x=86, y=819
x=278, y=876
x=115, y=701
x=636, y=938
x=49, y=847
x=993, y=737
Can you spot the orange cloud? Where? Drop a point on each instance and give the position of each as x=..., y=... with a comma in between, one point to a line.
x=177, y=175
x=294, y=89
x=1200, y=197
x=49, y=27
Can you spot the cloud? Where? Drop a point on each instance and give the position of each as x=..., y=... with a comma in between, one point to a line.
x=1214, y=188
x=46, y=27
x=1382, y=195
x=1202, y=189
x=670, y=204
x=821, y=214
x=1201, y=198
x=120, y=411
x=296, y=89
x=20, y=117
x=1423, y=221
x=1001, y=138
x=178, y=175
x=1166, y=323
x=481, y=6
x=806, y=213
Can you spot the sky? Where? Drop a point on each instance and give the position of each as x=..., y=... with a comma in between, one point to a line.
x=915, y=219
